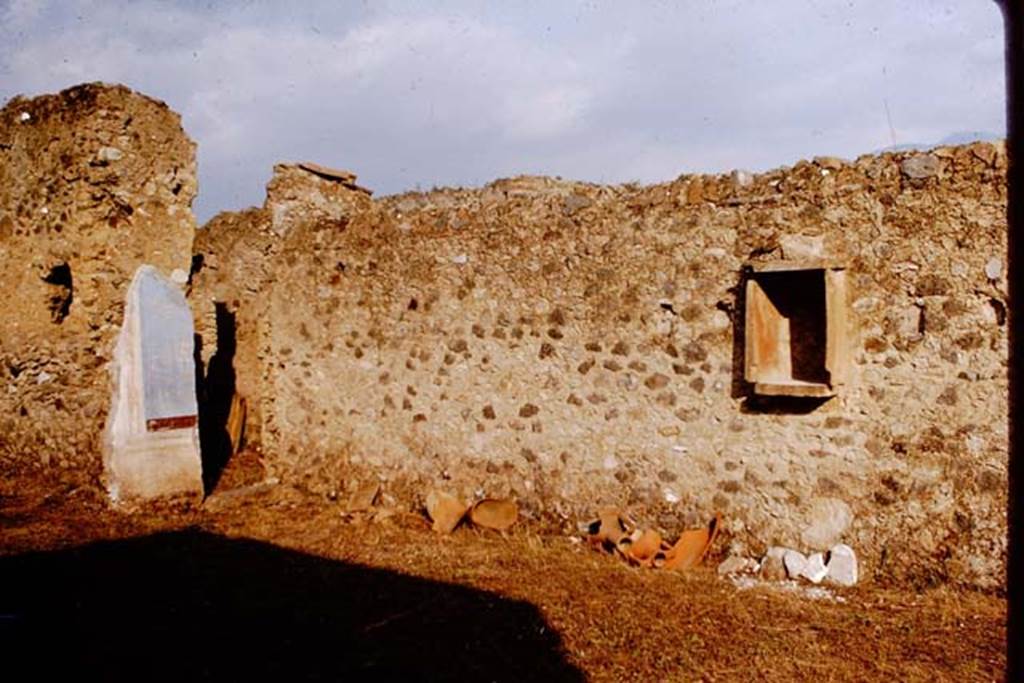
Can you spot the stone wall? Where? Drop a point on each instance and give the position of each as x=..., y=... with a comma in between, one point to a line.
x=575, y=345
x=232, y=277
x=567, y=344
x=94, y=182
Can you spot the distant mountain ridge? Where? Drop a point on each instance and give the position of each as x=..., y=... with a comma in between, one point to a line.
x=962, y=137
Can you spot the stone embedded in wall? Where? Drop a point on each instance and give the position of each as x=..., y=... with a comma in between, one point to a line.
x=152, y=440
x=921, y=166
x=802, y=247
x=905, y=323
x=993, y=269
x=830, y=163
x=827, y=521
x=741, y=178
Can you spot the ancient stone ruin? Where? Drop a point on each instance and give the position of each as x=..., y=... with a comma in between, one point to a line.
x=817, y=352
x=94, y=183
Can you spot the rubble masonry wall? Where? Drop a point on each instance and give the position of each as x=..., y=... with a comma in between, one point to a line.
x=94, y=182
x=575, y=345
x=567, y=344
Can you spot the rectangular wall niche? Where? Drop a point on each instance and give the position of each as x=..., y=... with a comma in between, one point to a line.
x=796, y=330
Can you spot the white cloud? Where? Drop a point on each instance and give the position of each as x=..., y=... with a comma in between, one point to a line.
x=18, y=14
x=456, y=93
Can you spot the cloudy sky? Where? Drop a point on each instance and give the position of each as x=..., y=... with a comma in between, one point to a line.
x=417, y=94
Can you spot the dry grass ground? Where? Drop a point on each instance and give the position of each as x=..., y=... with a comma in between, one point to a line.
x=277, y=584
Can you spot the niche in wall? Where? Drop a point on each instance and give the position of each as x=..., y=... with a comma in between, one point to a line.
x=61, y=293
x=796, y=329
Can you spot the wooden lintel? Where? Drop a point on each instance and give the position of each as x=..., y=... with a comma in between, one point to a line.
x=801, y=389
x=782, y=266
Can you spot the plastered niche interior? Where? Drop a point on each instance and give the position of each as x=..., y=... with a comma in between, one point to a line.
x=152, y=437
x=796, y=337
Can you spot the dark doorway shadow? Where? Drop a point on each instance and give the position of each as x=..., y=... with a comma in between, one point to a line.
x=189, y=605
x=781, y=405
x=737, y=311
x=215, y=389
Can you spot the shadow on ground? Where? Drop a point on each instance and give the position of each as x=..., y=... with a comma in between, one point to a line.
x=190, y=605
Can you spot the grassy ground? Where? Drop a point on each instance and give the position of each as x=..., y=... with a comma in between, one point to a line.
x=273, y=583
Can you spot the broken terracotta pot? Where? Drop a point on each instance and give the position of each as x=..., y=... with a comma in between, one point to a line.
x=445, y=510
x=692, y=546
x=644, y=546
x=363, y=498
x=608, y=530
x=494, y=513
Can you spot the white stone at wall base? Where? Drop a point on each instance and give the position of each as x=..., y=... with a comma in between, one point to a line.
x=842, y=565
x=795, y=563
x=814, y=571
